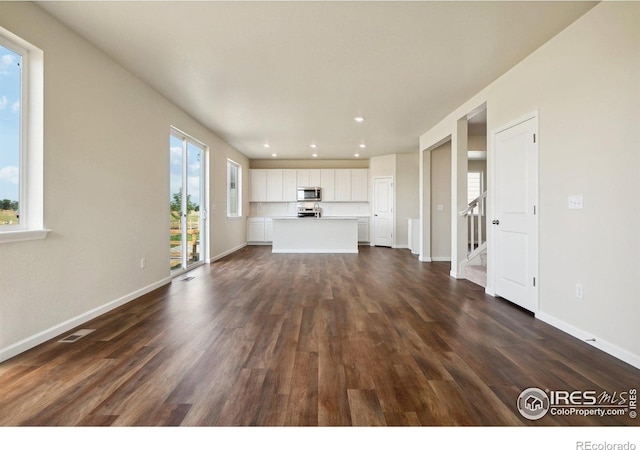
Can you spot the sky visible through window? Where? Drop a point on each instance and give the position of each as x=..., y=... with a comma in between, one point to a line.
x=10, y=68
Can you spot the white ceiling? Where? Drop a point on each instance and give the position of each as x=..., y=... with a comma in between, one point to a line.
x=295, y=73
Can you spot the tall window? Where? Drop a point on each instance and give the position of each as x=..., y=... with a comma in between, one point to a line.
x=474, y=188
x=234, y=189
x=11, y=141
x=21, y=139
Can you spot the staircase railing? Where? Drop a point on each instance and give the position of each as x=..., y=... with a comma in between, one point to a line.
x=475, y=213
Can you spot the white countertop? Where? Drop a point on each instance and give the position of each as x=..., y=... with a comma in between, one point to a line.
x=316, y=218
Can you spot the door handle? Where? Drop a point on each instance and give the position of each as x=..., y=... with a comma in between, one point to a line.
x=496, y=222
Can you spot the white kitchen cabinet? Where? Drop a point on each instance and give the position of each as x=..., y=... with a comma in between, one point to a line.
x=314, y=177
x=255, y=229
x=359, y=185
x=308, y=177
x=289, y=185
x=258, y=185
x=268, y=229
x=274, y=185
x=327, y=183
x=303, y=178
x=363, y=229
x=343, y=185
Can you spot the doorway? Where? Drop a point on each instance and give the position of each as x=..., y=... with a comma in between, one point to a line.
x=515, y=215
x=187, y=195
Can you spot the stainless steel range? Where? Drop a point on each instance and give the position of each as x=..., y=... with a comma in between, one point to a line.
x=307, y=209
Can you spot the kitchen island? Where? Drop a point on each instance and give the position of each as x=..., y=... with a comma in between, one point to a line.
x=315, y=235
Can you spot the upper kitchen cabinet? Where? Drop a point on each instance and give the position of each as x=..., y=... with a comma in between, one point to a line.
x=289, y=185
x=274, y=185
x=352, y=185
x=258, y=181
x=359, y=185
x=338, y=185
x=266, y=185
x=343, y=185
x=328, y=184
x=308, y=177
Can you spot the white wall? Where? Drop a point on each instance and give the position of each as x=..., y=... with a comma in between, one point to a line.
x=405, y=172
x=106, y=192
x=584, y=84
x=441, y=195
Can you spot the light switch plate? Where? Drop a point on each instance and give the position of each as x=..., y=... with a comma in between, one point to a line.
x=575, y=202
x=440, y=207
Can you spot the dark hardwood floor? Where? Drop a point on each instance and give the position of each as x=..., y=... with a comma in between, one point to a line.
x=261, y=339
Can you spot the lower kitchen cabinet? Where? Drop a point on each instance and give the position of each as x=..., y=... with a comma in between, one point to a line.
x=259, y=230
x=363, y=229
x=255, y=229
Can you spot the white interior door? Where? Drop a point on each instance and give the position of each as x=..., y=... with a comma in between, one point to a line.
x=383, y=212
x=514, y=222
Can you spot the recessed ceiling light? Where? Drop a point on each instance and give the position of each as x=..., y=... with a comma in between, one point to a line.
x=359, y=119
x=314, y=146
x=363, y=146
x=357, y=155
x=274, y=154
x=315, y=155
x=266, y=146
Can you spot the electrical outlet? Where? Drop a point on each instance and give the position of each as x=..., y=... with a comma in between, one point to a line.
x=143, y=263
x=576, y=202
x=579, y=291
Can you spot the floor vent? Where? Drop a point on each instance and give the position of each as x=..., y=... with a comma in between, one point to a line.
x=79, y=334
x=187, y=279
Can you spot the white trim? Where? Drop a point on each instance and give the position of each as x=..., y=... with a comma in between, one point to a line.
x=177, y=272
x=456, y=275
x=404, y=246
x=489, y=291
x=441, y=258
x=56, y=330
x=424, y=259
x=595, y=341
x=491, y=198
x=228, y=252
x=22, y=235
x=31, y=166
x=313, y=250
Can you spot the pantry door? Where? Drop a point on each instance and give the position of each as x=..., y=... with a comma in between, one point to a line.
x=383, y=211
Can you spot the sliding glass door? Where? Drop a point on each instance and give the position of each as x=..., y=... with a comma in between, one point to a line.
x=186, y=201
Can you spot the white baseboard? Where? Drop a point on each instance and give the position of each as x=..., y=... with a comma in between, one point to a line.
x=314, y=250
x=56, y=330
x=441, y=258
x=228, y=252
x=424, y=258
x=456, y=275
x=401, y=246
x=601, y=344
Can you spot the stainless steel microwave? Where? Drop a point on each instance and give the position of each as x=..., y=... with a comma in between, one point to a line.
x=309, y=194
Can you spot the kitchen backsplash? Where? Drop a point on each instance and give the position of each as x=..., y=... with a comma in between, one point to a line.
x=329, y=209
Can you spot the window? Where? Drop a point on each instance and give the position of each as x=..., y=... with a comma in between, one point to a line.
x=474, y=187
x=234, y=189
x=21, y=140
